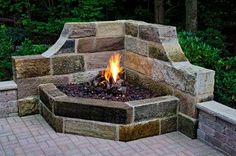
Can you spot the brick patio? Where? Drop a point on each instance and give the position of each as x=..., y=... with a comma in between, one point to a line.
x=31, y=135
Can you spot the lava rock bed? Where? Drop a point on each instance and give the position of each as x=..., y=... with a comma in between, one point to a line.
x=85, y=90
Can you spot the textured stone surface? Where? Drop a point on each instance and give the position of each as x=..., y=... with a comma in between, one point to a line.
x=110, y=29
x=174, y=52
x=55, y=121
x=78, y=30
x=154, y=108
x=157, y=51
x=99, y=59
x=65, y=64
x=138, y=63
x=47, y=94
x=86, y=76
x=92, y=44
x=91, y=128
x=187, y=125
x=136, y=45
x=131, y=28
x=68, y=47
x=149, y=32
x=159, y=87
x=8, y=95
x=30, y=66
x=168, y=124
x=7, y=85
x=28, y=106
x=139, y=130
x=93, y=109
x=29, y=87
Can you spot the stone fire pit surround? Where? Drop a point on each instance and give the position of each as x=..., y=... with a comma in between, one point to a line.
x=152, y=58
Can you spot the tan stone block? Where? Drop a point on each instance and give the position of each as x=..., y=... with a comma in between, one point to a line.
x=86, y=76
x=136, y=45
x=85, y=45
x=91, y=128
x=99, y=59
x=30, y=66
x=174, y=52
x=28, y=106
x=29, y=87
x=67, y=63
x=139, y=63
x=110, y=29
x=157, y=51
x=139, y=130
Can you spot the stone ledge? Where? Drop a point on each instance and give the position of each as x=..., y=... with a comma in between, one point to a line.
x=8, y=85
x=219, y=110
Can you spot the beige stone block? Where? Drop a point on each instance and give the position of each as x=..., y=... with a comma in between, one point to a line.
x=174, y=52
x=139, y=63
x=157, y=51
x=110, y=29
x=91, y=128
x=136, y=45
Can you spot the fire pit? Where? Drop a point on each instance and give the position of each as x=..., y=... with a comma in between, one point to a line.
x=119, y=80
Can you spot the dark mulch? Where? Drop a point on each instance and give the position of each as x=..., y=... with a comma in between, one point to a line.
x=86, y=90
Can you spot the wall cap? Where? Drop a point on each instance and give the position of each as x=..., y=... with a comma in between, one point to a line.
x=219, y=110
x=7, y=85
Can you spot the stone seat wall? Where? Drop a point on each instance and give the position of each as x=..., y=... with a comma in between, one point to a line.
x=151, y=54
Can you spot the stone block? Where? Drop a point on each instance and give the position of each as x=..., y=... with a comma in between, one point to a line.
x=228, y=149
x=131, y=28
x=139, y=63
x=8, y=95
x=200, y=134
x=93, y=44
x=157, y=51
x=206, y=129
x=29, y=87
x=30, y=66
x=93, y=109
x=167, y=34
x=187, y=125
x=168, y=124
x=212, y=141
x=110, y=29
x=139, y=130
x=79, y=30
x=174, y=52
x=159, y=88
x=136, y=45
x=66, y=64
x=109, y=43
x=28, y=106
x=87, y=76
x=154, y=108
x=55, y=121
x=99, y=59
x=91, y=128
x=85, y=45
x=149, y=32
x=47, y=94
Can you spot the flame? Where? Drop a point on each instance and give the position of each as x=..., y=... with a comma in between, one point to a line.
x=113, y=68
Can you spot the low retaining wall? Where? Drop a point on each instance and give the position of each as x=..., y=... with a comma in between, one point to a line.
x=8, y=99
x=217, y=126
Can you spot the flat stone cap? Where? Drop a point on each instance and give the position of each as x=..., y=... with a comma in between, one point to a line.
x=219, y=110
x=7, y=85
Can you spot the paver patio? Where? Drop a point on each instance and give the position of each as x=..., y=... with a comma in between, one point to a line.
x=31, y=135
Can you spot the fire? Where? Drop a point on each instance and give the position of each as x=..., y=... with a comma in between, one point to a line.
x=113, y=68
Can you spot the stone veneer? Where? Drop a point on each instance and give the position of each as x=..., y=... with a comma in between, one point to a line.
x=115, y=120
x=8, y=99
x=217, y=126
x=152, y=57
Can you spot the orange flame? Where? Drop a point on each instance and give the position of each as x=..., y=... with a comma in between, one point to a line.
x=113, y=68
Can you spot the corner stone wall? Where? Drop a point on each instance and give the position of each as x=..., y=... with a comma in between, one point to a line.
x=8, y=99
x=151, y=55
x=217, y=126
